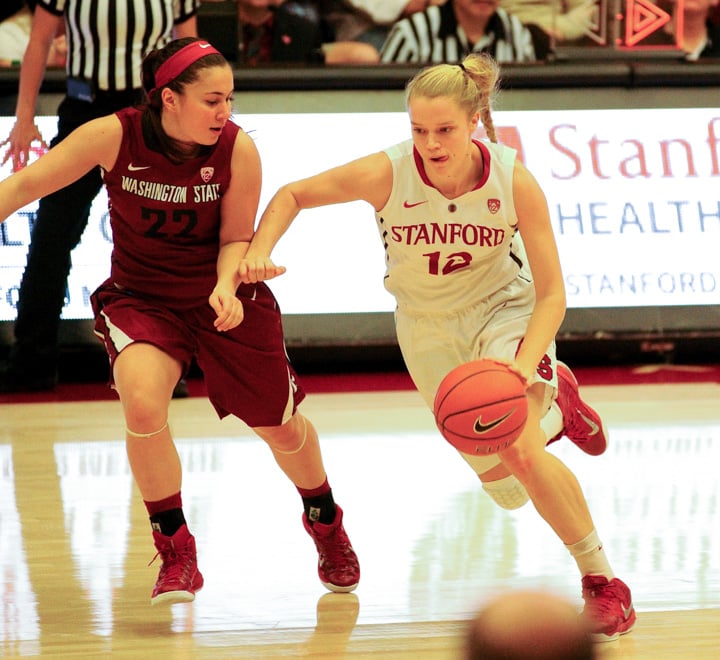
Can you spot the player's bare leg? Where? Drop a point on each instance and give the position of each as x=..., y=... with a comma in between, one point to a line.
x=296, y=449
x=145, y=377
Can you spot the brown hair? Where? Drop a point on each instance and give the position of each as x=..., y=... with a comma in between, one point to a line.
x=153, y=132
x=472, y=84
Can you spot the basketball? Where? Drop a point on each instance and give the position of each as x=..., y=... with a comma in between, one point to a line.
x=481, y=407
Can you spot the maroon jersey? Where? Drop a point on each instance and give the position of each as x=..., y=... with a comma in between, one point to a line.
x=165, y=217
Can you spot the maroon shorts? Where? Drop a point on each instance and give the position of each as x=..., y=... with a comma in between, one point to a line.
x=246, y=370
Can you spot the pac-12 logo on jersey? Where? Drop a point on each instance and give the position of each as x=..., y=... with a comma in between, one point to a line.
x=493, y=205
x=206, y=173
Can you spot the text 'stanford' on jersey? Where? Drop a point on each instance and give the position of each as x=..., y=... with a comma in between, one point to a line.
x=444, y=254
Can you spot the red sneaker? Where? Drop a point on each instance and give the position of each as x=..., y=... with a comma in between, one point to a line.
x=338, y=566
x=609, y=611
x=179, y=577
x=582, y=424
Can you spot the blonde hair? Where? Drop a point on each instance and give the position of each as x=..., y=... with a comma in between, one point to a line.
x=472, y=84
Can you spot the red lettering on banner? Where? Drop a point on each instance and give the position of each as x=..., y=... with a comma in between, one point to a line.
x=574, y=158
x=639, y=158
x=713, y=144
x=667, y=158
x=594, y=145
x=675, y=155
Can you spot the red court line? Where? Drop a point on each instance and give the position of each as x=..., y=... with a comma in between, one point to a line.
x=396, y=381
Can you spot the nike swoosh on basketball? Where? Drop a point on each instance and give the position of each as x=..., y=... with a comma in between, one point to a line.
x=481, y=428
x=135, y=168
x=409, y=205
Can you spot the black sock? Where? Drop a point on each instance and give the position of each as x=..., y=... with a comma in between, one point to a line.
x=320, y=508
x=168, y=522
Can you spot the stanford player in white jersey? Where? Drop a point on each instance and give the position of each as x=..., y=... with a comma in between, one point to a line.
x=184, y=183
x=451, y=211
x=429, y=237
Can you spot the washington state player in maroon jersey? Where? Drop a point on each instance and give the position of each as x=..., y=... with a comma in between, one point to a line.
x=184, y=183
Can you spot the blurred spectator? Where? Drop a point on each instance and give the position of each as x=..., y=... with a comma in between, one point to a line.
x=700, y=34
x=15, y=26
x=448, y=32
x=10, y=7
x=528, y=625
x=715, y=15
x=276, y=31
x=564, y=20
x=279, y=31
x=369, y=21
x=694, y=33
x=103, y=76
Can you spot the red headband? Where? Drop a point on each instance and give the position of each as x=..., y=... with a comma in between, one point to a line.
x=174, y=65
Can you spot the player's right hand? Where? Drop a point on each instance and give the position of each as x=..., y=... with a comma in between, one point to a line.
x=19, y=143
x=258, y=269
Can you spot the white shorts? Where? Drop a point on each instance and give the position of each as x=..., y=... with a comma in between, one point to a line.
x=433, y=344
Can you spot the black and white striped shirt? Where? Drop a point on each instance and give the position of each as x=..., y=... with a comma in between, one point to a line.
x=434, y=36
x=107, y=39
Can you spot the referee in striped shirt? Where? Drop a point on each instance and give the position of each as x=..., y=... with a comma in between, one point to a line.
x=448, y=32
x=106, y=40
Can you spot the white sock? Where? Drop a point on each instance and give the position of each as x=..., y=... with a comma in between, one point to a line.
x=590, y=556
x=552, y=421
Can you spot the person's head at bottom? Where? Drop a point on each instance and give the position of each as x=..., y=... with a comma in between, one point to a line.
x=528, y=625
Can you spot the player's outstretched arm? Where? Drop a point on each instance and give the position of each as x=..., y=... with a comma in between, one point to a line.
x=368, y=179
x=539, y=241
x=95, y=143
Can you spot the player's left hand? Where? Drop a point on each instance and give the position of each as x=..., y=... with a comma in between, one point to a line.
x=229, y=309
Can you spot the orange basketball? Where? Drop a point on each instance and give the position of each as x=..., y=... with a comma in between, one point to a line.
x=481, y=407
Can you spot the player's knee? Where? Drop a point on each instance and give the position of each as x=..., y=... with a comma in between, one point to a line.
x=507, y=493
x=503, y=487
x=288, y=438
x=143, y=411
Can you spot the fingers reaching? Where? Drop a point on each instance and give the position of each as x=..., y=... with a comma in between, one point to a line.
x=258, y=270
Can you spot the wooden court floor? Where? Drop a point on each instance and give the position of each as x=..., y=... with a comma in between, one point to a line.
x=75, y=542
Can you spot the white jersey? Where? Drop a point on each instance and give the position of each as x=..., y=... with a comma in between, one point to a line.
x=442, y=254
